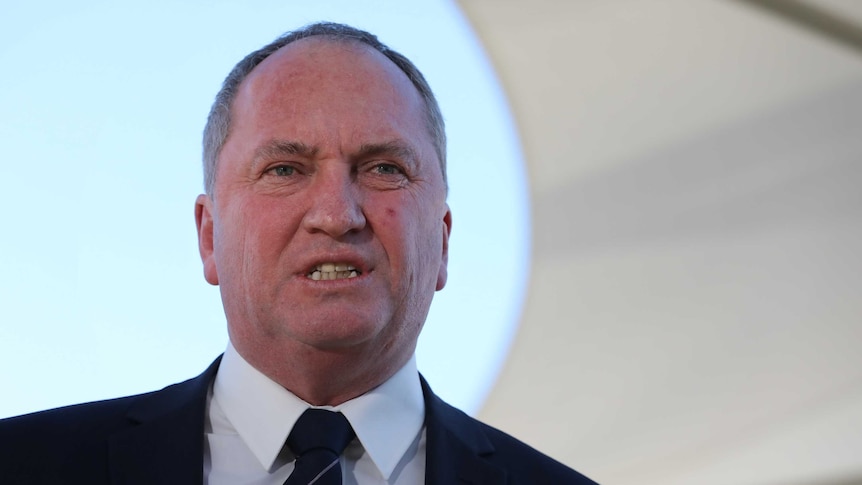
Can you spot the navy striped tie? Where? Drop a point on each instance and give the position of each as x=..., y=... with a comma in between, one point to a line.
x=318, y=438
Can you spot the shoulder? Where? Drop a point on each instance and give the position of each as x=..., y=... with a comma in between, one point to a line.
x=96, y=419
x=79, y=422
x=527, y=464
x=78, y=437
x=34, y=445
x=449, y=429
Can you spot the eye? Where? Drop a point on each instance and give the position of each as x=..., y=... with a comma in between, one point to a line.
x=387, y=169
x=283, y=171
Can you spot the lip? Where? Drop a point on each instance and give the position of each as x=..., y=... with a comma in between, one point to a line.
x=359, y=263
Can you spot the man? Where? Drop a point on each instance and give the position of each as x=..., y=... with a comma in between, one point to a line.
x=326, y=228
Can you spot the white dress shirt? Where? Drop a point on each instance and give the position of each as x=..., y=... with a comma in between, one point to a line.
x=249, y=416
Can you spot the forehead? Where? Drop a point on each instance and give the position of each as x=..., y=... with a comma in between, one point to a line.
x=322, y=54
x=331, y=77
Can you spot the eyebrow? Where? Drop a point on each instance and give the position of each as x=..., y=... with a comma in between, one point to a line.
x=280, y=148
x=395, y=148
x=275, y=149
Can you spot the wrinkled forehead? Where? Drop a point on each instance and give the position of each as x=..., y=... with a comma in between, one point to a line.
x=313, y=89
x=318, y=87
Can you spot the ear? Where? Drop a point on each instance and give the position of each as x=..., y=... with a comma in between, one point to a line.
x=443, y=274
x=204, y=222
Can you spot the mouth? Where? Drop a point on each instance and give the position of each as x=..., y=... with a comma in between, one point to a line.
x=333, y=271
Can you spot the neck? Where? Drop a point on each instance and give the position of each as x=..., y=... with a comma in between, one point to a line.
x=325, y=377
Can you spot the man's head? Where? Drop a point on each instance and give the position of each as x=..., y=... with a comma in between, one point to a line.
x=326, y=224
x=219, y=120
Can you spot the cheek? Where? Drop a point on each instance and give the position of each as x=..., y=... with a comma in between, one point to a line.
x=394, y=229
x=419, y=238
x=385, y=219
x=407, y=234
x=267, y=218
x=253, y=229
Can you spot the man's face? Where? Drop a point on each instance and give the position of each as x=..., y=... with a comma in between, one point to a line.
x=328, y=226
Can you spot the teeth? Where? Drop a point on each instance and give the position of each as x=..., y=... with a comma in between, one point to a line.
x=333, y=271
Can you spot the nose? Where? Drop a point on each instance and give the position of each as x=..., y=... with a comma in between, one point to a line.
x=334, y=205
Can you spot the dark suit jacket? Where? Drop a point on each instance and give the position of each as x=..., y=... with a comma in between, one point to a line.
x=157, y=438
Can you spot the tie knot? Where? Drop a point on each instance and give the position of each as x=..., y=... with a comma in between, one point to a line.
x=319, y=428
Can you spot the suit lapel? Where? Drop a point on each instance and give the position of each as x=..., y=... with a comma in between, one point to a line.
x=456, y=447
x=165, y=442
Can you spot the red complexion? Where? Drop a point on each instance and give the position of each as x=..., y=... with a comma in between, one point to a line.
x=328, y=161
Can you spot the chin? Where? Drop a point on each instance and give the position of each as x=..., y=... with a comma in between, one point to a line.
x=339, y=333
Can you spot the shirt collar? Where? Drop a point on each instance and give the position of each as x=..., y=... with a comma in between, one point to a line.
x=386, y=419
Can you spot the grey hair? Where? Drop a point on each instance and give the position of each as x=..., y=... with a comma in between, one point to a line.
x=219, y=119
